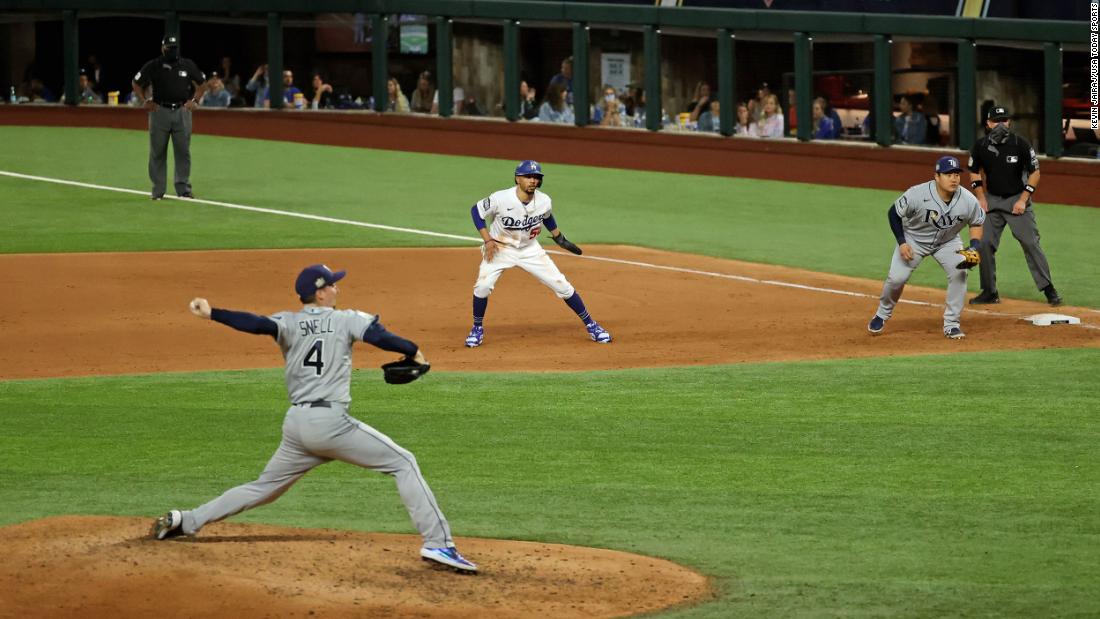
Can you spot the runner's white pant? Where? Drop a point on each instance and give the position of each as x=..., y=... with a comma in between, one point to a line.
x=532, y=259
x=900, y=271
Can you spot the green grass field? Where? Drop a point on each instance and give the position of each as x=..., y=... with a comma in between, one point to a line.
x=960, y=485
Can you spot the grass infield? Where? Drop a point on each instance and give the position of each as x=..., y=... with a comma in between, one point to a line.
x=821, y=228
x=925, y=486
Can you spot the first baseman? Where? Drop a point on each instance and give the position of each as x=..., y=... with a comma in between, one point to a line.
x=519, y=214
x=926, y=221
x=316, y=342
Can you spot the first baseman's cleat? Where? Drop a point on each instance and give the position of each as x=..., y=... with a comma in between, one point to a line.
x=876, y=325
x=954, y=333
x=169, y=525
x=477, y=333
x=1053, y=297
x=448, y=556
x=598, y=333
x=986, y=298
x=187, y=195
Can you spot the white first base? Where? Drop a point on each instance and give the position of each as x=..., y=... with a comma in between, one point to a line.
x=1045, y=320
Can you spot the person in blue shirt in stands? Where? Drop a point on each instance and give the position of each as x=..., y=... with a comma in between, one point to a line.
x=910, y=127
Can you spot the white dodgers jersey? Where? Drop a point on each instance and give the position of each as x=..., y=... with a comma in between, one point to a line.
x=514, y=223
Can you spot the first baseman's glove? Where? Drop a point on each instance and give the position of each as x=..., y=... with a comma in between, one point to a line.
x=404, y=371
x=566, y=244
x=971, y=258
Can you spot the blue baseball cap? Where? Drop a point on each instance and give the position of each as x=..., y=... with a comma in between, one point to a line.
x=315, y=277
x=948, y=164
x=529, y=168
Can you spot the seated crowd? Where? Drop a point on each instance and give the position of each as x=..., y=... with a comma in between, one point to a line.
x=760, y=116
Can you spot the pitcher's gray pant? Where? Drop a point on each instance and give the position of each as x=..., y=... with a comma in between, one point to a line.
x=1026, y=231
x=900, y=271
x=314, y=436
x=165, y=123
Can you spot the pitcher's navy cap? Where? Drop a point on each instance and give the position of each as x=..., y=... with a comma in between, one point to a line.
x=945, y=165
x=315, y=277
x=997, y=113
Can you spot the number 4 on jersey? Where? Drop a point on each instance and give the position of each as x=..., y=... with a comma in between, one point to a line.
x=313, y=357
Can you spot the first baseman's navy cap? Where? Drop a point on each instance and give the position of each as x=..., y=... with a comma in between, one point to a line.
x=170, y=40
x=529, y=168
x=945, y=165
x=315, y=277
x=997, y=113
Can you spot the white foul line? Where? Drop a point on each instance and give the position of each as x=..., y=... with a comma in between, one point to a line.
x=363, y=224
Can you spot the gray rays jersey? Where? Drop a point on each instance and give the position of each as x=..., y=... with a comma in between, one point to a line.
x=316, y=344
x=929, y=222
x=514, y=223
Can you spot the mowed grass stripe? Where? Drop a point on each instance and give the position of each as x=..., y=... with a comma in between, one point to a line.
x=821, y=228
x=906, y=486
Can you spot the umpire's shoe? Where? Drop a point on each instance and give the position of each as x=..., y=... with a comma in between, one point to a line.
x=448, y=556
x=986, y=298
x=1053, y=297
x=169, y=525
x=876, y=325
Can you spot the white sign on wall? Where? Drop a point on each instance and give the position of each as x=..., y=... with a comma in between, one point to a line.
x=615, y=70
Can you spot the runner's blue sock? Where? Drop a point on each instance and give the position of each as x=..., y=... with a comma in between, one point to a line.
x=479, y=309
x=574, y=302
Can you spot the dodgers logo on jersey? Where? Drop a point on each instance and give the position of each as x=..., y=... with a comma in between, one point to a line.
x=514, y=223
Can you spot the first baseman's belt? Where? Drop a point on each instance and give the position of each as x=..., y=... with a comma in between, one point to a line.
x=317, y=404
x=171, y=106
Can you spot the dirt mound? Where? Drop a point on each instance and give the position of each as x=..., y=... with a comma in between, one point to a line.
x=99, y=566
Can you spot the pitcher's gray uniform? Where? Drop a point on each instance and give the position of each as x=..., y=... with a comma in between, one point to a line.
x=316, y=343
x=931, y=227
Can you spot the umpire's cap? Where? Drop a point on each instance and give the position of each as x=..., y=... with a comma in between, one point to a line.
x=315, y=277
x=997, y=113
x=948, y=164
x=170, y=40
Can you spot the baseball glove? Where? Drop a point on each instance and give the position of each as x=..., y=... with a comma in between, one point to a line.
x=404, y=371
x=566, y=244
x=970, y=259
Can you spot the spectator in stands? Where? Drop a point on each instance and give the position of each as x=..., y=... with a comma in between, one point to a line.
x=910, y=127
x=743, y=126
x=554, y=109
x=37, y=92
x=528, y=109
x=931, y=110
x=215, y=95
x=458, y=98
x=424, y=95
x=86, y=88
x=711, y=119
x=395, y=99
x=230, y=79
x=700, y=101
x=635, y=106
x=565, y=80
x=756, y=107
x=609, y=111
x=322, y=98
x=258, y=85
x=289, y=90
x=94, y=71
x=467, y=105
x=824, y=128
x=770, y=124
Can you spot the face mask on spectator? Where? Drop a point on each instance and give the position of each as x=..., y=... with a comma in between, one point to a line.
x=609, y=98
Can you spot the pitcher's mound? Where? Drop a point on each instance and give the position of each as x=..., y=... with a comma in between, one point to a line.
x=75, y=566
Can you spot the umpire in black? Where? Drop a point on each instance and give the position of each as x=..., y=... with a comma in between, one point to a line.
x=178, y=83
x=1004, y=173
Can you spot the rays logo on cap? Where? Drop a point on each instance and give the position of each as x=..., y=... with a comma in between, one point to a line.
x=953, y=163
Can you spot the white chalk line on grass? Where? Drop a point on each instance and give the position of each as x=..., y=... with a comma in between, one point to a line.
x=363, y=224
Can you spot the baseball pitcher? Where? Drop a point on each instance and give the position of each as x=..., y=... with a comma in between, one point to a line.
x=316, y=343
x=926, y=221
x=518, y=215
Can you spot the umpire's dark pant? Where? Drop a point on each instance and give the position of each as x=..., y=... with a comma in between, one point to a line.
x=1026, y=231
x=175, y=123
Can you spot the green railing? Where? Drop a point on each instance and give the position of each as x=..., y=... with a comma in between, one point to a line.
x=724, y=23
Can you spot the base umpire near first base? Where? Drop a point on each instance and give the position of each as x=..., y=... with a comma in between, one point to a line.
x=1004, y=172
x=178, y=83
